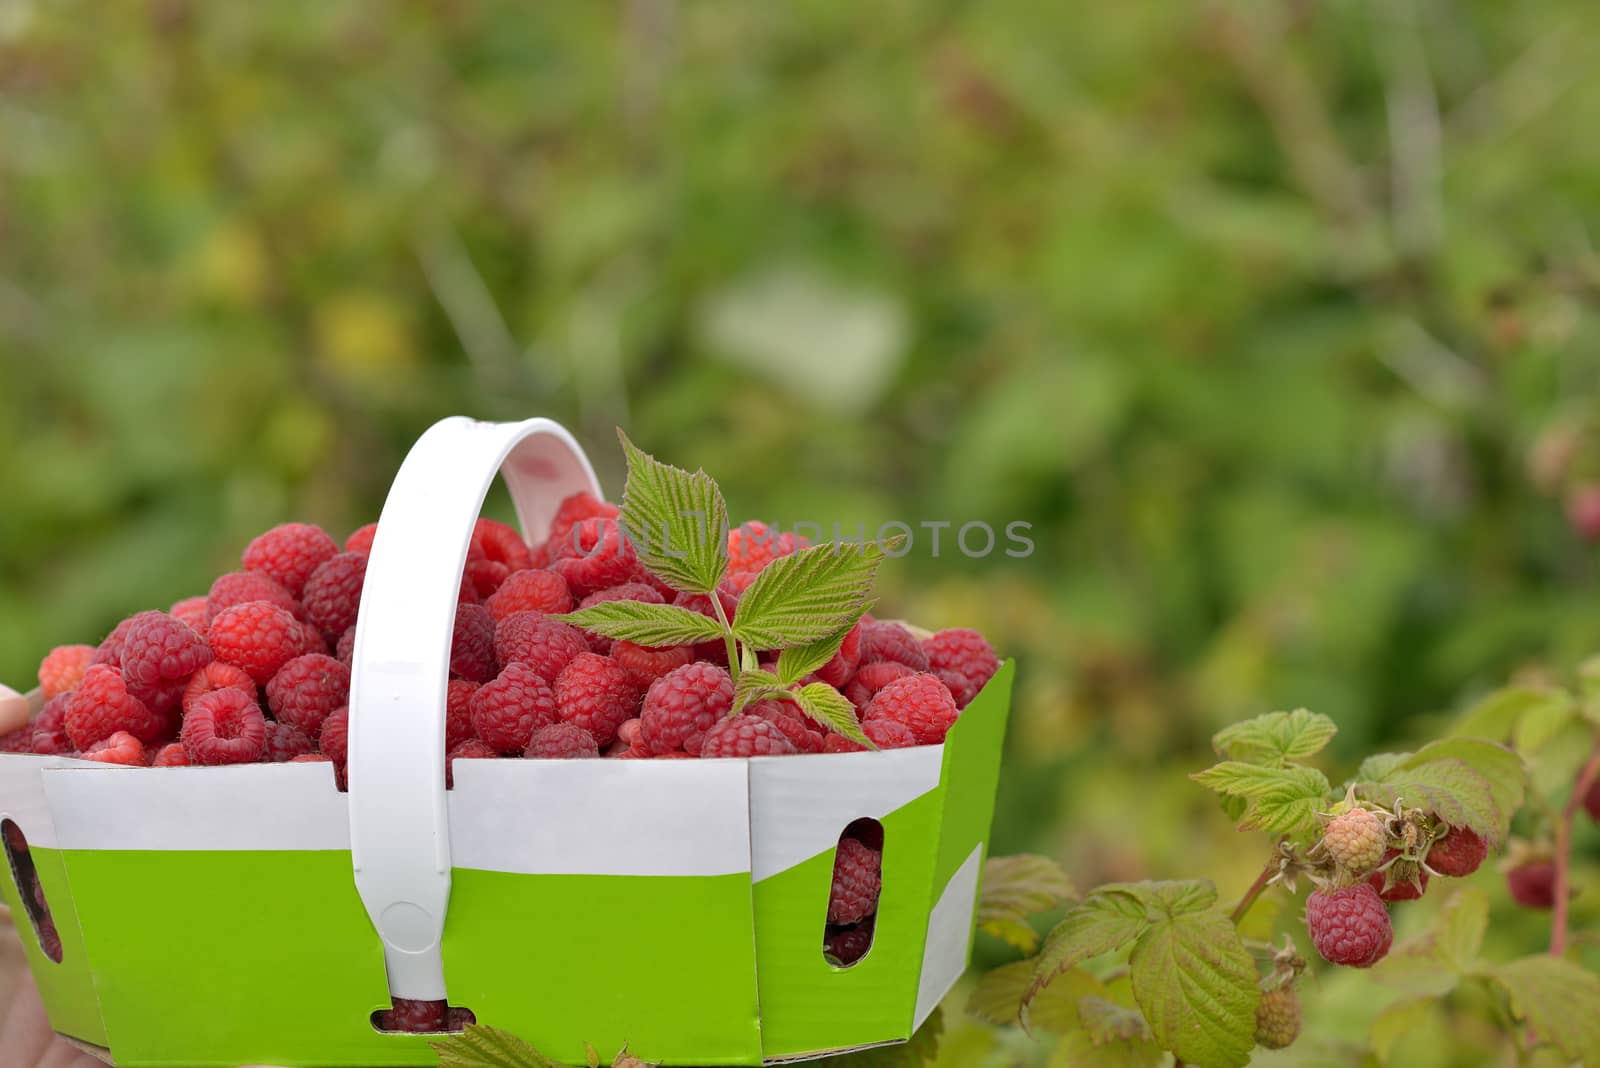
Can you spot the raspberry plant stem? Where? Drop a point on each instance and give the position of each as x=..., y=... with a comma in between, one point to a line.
x=727, y=637
x=1563, y=858
x=1254, y=892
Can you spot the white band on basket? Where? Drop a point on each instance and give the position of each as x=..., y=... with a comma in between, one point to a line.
x=399, y=831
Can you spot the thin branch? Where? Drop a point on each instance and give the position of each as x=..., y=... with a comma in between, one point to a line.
x=1586, y=779
x=1254, y=892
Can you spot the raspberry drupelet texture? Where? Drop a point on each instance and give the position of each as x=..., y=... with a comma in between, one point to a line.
x=1278, y=1019
x=882, y=640
x=1532, y=883
x=360, y=539
x=193, y=612
x=171, y=755
x=472, y=644
x=119, y=748
x=596, y=694
x=332, y=596
x=572, y=511
x=258, y=637
x=217, y=676
x=745, y=736
x=334, y=741
x=628, y=591
x=787, y=717
x=109, y=652
x=224, y=727
x=1458, y=853
x=754, y=545
x=546, y=645
x=964, y=659
x=506, y=711
x=870, y=678
x=596, y=555
x=345, y=648
x=284, y=743
x=883, y=733
x=62, y=669
x=1349, y=925
x=1401, y=880
x=849, y=944
x=920, y=702
x=50, y=728
x=502, y=544
x=307, y=689
x=237, y=587
x=682, y=705
x=458, y=711
x=158, y=657
x=561, y=741
x=289, y=553
x=857, y=881
x=414, y=1017
x=1356, y=840
x=839, y=670
x=646, y=664
x=101, y=706
x=530, y=591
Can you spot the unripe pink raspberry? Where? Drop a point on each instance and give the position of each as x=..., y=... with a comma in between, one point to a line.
x=1356, y=840
x=1349, y=925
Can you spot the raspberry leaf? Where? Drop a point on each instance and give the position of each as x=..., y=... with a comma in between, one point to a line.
x=1496, y=716
x=1197, y=986
x=488, y=1047
x=798, y=661
x=756, y=685
x=1434, y=961
x=1502, y=768
x=1277, y=800
x=1106, y=1021
x=1449, y=788
x=677, y=521
x=807, y=596
x=645, y=624
x=832, y=709
x=1015, y=888
x=1401, y=1018
x=1558, y=999
x=997, y=998
x=1080, y=1049
x=1276, y=737
x=1107, y=919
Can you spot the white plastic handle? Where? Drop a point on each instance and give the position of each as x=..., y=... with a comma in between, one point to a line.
x=399, y=834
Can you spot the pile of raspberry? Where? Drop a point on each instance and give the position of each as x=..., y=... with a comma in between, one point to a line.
x=258, y=669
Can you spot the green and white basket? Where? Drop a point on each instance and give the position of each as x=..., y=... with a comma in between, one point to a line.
x=256, y=915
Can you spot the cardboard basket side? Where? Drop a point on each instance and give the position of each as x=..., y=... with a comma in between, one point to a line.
x=66, y=986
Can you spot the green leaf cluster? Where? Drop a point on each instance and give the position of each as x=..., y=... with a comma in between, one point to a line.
x=1262, y=775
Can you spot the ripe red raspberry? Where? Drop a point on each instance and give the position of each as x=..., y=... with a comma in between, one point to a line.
x=597, y=694
x=745, y=736
x=284, y=743
x=1356, y=840
x=1458, y=853
x=334, y=741
x=101, y=706
x=501, y=543
x=158, y=657
x=1402, y=880
x=289, y=553
x=881, y=640
x=258, y=637
x=561, y=741
x=17, y=741
x=110, y=651
x=482, y=574
x=472, y=645
x=120, y=748
x=1349, y=925
x=458, y=711
x=628, y=591
x=682, y=705
x=571, y=512
x=332, y=596
x=50, y=728
x=237, y=587
x=414, y=1017
x=544, y=644
x=471, y=749
x=1591, y=800
x=597, y=555
x=505, y=712
x=920, y=702
x=1277, y=1019
x=646, y=665
x=754, y=545
x=848, y=944
x=884, y=733
x=857, y=881
x=307, y=689
x=171, y=755
x=217, y=676
x=530, y=591
x=224, y=727
x=964, y=659
x=62, y=669
x=787, y=717
x=193, y=613
x=1533, y=884
x=630, y=743
x=360, y=539
x=870, y=678
x=838, y=671
x=345, y=650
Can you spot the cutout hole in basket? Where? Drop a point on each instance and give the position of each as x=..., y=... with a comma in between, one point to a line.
x=408, y=1017
x=847, y=935
x=25, y=875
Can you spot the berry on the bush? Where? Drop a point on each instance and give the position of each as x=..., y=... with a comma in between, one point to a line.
x=1458, y=853
x=1533, y=883
x=1356, y=839
x=1401, y=880
x=1349, y=925
x=1278, y=1019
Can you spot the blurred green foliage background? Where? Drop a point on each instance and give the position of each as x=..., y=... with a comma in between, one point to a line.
x=1277, y=320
